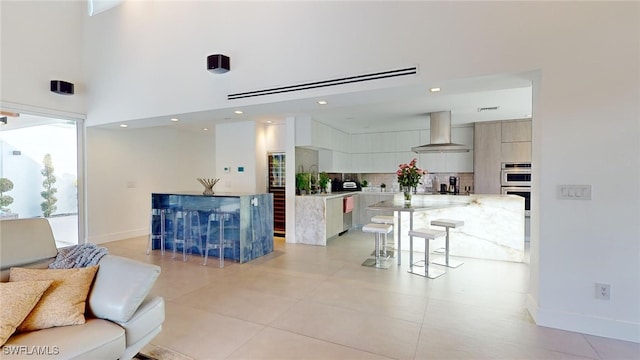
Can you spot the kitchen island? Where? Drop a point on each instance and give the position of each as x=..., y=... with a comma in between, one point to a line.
x=493, y=224
x=321, y=217
x=248, y=225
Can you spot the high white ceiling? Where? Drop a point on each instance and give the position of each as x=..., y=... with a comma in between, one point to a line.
x=389, y=109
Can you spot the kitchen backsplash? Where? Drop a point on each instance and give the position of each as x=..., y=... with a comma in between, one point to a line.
x=431, y=182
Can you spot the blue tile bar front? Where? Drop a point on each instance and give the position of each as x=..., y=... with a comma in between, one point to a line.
x=249, y=226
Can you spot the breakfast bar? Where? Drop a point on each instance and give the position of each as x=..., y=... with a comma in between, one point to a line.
x=493, y=230
x=247, y=222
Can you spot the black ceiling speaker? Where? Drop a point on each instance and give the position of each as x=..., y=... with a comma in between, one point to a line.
x=61, y=87
x=218, y=63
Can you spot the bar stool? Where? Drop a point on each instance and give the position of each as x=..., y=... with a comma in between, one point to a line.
x=379, y=230
x=210, y=244
x=155, y=213
x=426, y=270
x=448, y=224
x=186, y=217
x=387, y=220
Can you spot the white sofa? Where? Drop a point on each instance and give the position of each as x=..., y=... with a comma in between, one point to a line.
x=120, y=317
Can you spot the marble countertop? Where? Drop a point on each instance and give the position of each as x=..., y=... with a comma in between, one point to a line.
x=331, y=195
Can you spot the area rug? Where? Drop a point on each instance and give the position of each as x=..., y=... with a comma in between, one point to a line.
x=154, y=352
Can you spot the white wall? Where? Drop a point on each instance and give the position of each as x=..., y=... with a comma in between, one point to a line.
x=236, y=146
x=42, y=41
x=124, y=166
x=583, y=56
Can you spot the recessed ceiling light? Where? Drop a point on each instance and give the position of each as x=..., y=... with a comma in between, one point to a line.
x=434, y=89
x=174, y=119
x=123, y=125
x=238, y=112
x=269, y=121
x=205, y=129
x=322, y=102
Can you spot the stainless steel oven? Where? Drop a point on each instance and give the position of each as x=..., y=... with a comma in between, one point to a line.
x=515, y=179
x=515, y=174
x=524, y=191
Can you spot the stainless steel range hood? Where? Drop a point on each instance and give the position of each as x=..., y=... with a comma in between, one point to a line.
x=440, y=136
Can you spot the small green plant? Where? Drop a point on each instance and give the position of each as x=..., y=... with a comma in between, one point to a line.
x=364, y=183
x=383, y=187
x=5, y=200
x=303, y=181
x=324, y=181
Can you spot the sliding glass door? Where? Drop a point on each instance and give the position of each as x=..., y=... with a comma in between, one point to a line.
x=39, y=164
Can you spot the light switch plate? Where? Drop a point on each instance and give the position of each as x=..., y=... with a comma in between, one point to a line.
x=573, y=192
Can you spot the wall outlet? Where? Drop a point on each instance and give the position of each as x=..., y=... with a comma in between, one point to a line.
x=603, y=291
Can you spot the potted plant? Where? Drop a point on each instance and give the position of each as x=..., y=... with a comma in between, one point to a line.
x=323, y=181
x=383, y=187
x=303, y=182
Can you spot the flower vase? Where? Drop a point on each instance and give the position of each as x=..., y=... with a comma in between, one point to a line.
x=407, y=195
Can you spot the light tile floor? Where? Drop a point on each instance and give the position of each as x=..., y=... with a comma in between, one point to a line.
x=309, y=302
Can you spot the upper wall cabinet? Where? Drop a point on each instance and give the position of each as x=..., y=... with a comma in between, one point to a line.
x=361, y=143
x=312, y=134
x=515, y=131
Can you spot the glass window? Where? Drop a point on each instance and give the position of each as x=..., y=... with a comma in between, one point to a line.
x=39, y=173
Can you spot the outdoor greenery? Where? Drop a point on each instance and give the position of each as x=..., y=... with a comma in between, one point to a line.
x=49, y=204
x=5, y=200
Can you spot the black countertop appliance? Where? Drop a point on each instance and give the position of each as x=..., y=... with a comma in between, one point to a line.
x=454, y=185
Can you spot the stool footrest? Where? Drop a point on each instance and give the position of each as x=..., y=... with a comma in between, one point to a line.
x=428, y=272
x=452, y=263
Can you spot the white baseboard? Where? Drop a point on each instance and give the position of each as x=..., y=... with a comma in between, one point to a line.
x=103, y=238
x=585, y=324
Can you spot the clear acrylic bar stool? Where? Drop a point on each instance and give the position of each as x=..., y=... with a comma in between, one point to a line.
x=220, y=243
x=155, y=213
x=190, y=236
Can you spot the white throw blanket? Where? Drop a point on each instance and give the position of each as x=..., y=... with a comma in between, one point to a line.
x=78, y=256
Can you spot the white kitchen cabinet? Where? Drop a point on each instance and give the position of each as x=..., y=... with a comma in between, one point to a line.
x=321, y=135
x=341, y=141
x=384, y=162
x=312, y=134
x=361, y=143
x=361, y=163
x=303, y=132
x=334, y=161
x=383, y=142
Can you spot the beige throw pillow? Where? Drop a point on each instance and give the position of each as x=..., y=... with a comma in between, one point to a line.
x=63, y=303
x=16, y=301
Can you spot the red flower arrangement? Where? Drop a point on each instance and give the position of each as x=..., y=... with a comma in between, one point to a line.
x=409, y=175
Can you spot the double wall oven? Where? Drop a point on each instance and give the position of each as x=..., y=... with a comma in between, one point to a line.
x=515, y=179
